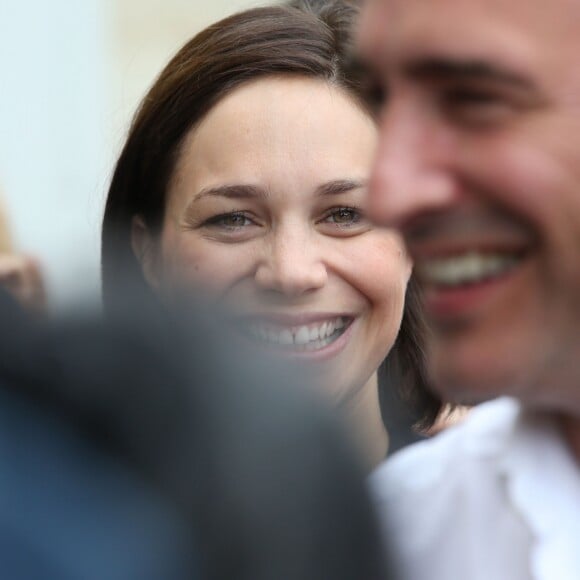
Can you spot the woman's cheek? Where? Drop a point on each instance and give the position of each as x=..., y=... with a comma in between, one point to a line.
x=379, y=267
x=192, y=262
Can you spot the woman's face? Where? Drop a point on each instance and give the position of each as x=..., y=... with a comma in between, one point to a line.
x=266, y=210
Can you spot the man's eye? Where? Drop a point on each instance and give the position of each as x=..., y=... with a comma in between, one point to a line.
x=367, y=81
x=374, y=93
x=475, y=106
x=471, y=97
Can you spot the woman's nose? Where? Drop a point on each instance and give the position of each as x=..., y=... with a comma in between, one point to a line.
x=293, y=265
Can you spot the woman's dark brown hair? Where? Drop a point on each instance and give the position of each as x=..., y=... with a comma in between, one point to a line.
x=305, y=38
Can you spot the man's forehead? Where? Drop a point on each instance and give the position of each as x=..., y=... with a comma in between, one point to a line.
x=539, y=8
x=512, y=30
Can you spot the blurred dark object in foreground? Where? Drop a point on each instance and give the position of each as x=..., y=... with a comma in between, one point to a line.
x=130, y=449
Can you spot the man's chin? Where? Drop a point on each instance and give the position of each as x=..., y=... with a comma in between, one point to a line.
x=482, y=363
x=470, y=384
x=459, y=394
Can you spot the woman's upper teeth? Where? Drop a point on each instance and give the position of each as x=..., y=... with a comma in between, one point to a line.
x=297, y=334
x=465, y=268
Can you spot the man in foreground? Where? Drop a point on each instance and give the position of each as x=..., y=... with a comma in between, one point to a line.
x=479, y=167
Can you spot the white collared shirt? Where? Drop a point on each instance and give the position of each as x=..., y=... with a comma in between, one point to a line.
x=495, y=498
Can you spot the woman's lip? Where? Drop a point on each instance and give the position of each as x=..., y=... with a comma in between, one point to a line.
x=290, y=320
x=319, y=355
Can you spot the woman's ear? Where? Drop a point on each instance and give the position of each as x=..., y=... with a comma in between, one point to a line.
x=145, y=250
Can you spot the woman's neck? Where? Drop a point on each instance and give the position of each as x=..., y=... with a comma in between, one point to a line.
x=363, y=415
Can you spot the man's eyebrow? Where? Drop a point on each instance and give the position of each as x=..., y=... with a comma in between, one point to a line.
x=236, y=191
x=449, y=70
x=339, y=186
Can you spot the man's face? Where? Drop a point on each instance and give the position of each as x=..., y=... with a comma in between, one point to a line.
x=479, y=166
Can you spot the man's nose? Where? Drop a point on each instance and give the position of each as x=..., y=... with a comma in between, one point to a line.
x=292, y=265
x=413, y=171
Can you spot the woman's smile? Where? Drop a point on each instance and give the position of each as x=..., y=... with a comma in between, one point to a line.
x=294, y=335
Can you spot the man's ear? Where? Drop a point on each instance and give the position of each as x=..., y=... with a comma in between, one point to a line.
x=145, y=250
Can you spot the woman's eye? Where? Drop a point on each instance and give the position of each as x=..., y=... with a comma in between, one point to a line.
x=344, y=217
x=230, y=221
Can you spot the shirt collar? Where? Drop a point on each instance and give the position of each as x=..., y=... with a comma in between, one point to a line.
x=543, y=485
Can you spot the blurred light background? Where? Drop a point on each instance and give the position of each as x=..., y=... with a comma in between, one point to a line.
x=72, y=73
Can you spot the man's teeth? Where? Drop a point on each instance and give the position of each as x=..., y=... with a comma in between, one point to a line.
x=308, y=337
x=465, y=269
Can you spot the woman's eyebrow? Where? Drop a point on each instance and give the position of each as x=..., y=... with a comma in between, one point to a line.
x=339, y=186
x=237, y=191
x=240, y=191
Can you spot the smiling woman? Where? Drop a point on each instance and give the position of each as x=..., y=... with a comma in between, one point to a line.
x=245, y=175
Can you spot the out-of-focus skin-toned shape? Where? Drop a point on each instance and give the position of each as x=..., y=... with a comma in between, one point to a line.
x=5, y=241
x=478, y=166
x=20, y=275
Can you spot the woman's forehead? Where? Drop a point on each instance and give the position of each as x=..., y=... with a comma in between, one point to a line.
x=277, y=128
